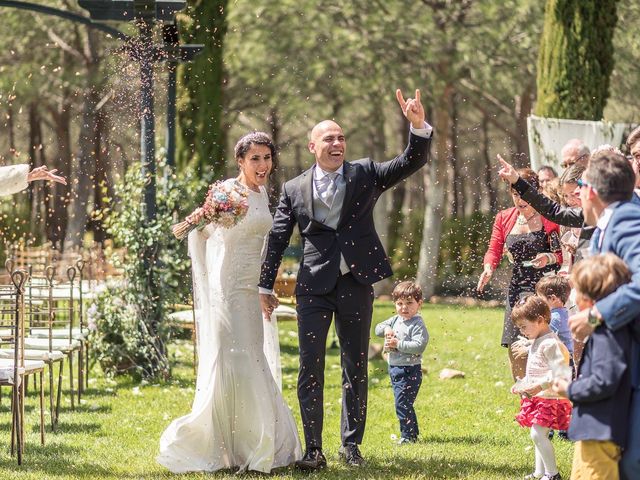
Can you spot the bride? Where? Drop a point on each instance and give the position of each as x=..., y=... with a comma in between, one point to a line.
x=239, y=418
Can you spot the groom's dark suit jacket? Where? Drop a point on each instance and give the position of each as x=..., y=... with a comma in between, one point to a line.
x=355, y=237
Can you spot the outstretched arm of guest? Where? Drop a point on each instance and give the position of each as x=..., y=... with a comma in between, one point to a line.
x=553, y=211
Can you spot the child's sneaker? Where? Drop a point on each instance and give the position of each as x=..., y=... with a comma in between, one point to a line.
x=557, y=476
x=405, y=440
x=533, y=476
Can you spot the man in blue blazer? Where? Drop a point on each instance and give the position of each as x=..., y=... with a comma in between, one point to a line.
x=606, y=193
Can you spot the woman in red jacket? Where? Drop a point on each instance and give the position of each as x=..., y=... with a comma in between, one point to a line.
x=533, y=247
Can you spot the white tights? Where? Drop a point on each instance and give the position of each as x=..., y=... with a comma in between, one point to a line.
x=545, y=455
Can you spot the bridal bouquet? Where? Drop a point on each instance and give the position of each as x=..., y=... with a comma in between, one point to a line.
x=226, y=204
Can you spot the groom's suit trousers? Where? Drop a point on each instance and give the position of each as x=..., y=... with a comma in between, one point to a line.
x=352, y=303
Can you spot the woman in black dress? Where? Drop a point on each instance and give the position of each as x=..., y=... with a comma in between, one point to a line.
x=532, y=245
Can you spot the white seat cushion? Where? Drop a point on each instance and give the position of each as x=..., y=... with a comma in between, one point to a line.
x=57, y=344
x=6, y=368
x=42, y=355
x=6, y=332
x=57, y=333
x=182, y=316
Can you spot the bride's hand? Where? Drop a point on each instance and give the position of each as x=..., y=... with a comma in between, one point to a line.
x=196, y=216
x=268, y=303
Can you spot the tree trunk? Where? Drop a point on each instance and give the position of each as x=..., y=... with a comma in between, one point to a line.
x=378, y=150
x=11, y=128
x=201, y=135
x=101, y=182
x=488, y=166
x=457, y=192
x=58, y=193
x=277, y=175
x=84, y=175
x=434, y=212
x=524, y=104
x=36, y=159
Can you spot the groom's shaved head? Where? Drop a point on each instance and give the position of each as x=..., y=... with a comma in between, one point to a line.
x=322, y=127
x=328, y=145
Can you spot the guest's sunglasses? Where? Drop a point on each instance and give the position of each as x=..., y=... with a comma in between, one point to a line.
x=581, y=183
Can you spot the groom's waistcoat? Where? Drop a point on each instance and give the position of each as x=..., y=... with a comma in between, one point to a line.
x=322, y=213
x=346, y=229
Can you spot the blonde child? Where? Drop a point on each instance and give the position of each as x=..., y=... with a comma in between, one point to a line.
x=406, y=337
x=541, y=408
x=601, y=393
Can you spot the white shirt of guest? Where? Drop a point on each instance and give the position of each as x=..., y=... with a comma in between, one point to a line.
x=13, y=179
x=605, y=218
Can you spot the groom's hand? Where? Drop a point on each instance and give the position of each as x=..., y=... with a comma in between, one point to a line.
x=412, y=109
x=268, y=303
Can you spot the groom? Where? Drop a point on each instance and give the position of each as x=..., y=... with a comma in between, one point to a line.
x=332, y=204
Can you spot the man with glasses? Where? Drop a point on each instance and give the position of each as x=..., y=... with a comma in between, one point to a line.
x=633, y=145
x=574, y=151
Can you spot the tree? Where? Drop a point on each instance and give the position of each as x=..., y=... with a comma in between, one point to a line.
x=576, y=58
x=201, y=139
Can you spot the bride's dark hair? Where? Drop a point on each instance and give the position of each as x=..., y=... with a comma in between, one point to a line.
x=255, y=138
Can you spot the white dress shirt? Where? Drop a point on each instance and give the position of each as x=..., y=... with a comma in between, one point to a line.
x=604, y=219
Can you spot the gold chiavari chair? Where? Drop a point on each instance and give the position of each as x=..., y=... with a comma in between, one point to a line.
x=64, y=334
x=13, y=371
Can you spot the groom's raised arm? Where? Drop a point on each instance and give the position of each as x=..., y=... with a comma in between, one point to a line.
x=414, y=157
x=416, y=154
x=278, y=240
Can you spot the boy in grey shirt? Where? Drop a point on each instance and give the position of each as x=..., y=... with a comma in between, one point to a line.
x=406, y=337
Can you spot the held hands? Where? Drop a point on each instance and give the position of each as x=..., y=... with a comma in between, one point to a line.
x=560, y=386
x=507, y=172
x=485, y=276
x=268, y=303
x=412, y=109
x=42, y=173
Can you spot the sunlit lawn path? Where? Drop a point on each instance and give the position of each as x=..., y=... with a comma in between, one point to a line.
x=467, y=431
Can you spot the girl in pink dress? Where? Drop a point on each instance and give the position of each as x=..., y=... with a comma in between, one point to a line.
x=541, y=408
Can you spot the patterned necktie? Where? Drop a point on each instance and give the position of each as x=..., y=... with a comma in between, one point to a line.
x=330, y=190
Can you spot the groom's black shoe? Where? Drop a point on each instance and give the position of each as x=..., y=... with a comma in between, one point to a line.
x=350, y=454
x=313, y=460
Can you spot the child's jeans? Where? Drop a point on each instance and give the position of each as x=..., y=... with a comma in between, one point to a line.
x=406, y=381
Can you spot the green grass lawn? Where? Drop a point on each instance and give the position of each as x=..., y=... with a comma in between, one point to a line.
x=467, y=426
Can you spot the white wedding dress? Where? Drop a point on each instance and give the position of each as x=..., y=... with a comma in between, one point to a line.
x=239, y=418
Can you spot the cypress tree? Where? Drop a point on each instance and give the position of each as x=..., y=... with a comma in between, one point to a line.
x=201, y=136
x=576, y=58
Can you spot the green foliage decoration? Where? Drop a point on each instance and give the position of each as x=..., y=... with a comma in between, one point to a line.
x=125, y=335
x=576, y=58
